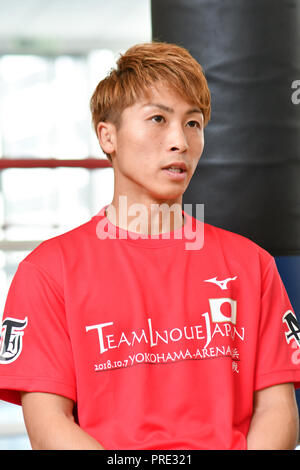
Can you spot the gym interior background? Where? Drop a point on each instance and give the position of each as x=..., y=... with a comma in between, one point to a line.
x=53, y=175
x=52, y=55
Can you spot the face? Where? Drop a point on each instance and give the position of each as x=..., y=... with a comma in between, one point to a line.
x=157, y=132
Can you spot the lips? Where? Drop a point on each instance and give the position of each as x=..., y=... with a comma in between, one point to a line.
x=175, y=171
x=177, y=167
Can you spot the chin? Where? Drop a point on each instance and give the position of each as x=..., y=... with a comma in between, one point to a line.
x=162, y=196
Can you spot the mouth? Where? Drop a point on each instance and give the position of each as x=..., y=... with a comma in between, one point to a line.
x=177, y=172
x=174, y=170
x=176, y=167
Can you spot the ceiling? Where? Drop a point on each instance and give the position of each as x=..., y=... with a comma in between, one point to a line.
x=72, y=26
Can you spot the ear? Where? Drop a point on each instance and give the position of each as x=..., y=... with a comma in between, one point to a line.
x=106, y=133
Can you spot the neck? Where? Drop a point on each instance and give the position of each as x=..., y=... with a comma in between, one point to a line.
x=151, y=218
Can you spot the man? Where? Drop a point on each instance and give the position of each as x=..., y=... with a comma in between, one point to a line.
x=164, y=332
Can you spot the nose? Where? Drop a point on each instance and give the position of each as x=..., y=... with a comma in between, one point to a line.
x=177, y=141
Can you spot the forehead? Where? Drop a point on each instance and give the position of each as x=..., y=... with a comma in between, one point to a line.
x=166, y=97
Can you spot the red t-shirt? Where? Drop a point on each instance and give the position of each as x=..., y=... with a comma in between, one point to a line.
x=160, y=342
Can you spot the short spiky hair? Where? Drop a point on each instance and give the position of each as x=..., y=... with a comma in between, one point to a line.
x=139, y=68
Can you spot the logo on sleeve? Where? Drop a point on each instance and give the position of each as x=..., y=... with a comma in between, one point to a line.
x=294, y=329
x=11, y=340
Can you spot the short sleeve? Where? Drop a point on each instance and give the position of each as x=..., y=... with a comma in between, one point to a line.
x=278, y=352
x=35, y=347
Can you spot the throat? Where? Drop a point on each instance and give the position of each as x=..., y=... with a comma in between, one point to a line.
x=155, y=222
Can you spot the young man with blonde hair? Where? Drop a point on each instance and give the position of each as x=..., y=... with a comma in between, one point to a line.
x=163, y=332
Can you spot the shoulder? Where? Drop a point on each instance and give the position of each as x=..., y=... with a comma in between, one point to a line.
x=237, y=247
x=52, y=254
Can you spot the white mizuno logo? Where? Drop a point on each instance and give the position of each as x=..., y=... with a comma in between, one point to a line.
x=221, y=284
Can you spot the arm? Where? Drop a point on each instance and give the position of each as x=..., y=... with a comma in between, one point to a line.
x=50, y=423
x=274, y=424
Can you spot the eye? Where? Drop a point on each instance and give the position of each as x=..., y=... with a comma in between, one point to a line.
x=157, y=118
x=194, y=124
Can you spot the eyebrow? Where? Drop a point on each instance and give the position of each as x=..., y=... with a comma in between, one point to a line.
x=171, y=110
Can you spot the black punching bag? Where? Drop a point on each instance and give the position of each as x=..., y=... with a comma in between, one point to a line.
x=249, y=174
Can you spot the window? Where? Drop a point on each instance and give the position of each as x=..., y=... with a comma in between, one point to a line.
x=44, y=113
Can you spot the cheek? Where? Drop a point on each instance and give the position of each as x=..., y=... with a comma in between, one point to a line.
x=142, y=147
x=196, y=144
x=197, y=150
x=135, y=156
x=199, y=145
x=133, y=140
